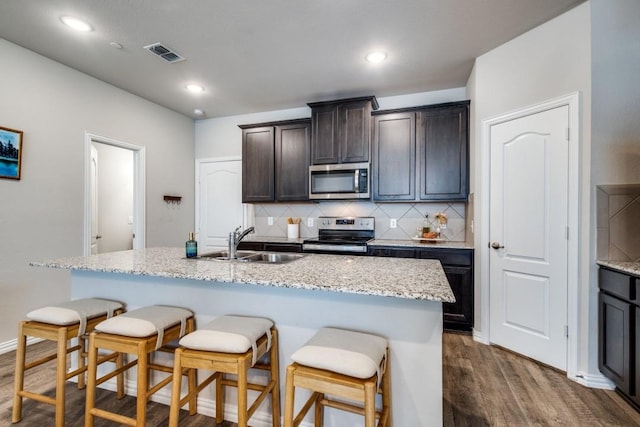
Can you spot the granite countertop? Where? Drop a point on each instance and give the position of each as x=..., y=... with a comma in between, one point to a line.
x=629, y=267
x=418, y=279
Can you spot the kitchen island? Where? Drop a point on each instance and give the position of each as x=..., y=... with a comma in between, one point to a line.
x=400, y=299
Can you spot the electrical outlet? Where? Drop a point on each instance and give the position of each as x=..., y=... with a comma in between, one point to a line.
x=393, y=223
x=310, y=222
x=269, y=220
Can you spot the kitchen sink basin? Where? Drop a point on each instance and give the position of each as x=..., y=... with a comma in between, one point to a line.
x=250, y=256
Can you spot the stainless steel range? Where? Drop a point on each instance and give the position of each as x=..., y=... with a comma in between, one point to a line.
x=341, y=235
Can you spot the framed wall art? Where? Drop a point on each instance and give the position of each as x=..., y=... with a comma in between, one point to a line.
x=10, y=153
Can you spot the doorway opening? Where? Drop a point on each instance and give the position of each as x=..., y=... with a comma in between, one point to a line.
x=114, y=194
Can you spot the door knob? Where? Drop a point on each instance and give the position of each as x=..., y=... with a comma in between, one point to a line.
x=496, y=245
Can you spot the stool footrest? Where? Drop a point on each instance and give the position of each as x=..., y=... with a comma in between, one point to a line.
x=113, y=417
x=37, y=397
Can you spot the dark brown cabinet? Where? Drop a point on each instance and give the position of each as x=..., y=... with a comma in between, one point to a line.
x=275, y=161
x=618, y=336
x=421, y=154
x=341, y=130
x=458, y=266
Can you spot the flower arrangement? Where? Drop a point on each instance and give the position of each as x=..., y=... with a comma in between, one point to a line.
x=441, y=217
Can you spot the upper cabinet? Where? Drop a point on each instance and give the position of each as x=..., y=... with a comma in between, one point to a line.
x=341, y=130
x=275, y=161
x=421, y=154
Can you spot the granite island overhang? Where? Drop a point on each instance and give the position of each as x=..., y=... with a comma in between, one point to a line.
x=400, y=299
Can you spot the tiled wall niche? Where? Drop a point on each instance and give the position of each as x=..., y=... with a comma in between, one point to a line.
x=408, y=216
x=618, y=218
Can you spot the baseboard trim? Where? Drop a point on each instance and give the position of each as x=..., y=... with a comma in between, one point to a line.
x=593, y=381
x=12, y=345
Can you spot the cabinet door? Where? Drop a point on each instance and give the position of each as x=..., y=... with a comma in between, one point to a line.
x=354, y=131
x=636, y=355
x=325, y=146
x=391, y=252
x=394, y=157
x=614, y=343
x=258, y=165
x=292, y=146
x=443, y=144
x=459, y=315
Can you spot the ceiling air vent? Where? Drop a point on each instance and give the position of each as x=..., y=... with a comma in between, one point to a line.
x=164, y=52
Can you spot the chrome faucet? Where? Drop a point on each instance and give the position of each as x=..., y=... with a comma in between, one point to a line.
x=235, y=237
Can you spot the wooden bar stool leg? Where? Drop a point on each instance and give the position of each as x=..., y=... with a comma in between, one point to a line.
x=19, y=380
x=289, y=397
x=143, y=385
x=319, y=411
x=92, y=372
x=174, y=410
x=242, y=393
x=61, y=374
x=386, y=395
x=370, y=404
x=219, y=399
x=120, y=377
x=81, y=358
x=275, y=376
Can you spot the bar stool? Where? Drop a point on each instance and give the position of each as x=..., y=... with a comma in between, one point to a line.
x=140, y=332
x=229, y=345
x=60, y=323
x=346, y=364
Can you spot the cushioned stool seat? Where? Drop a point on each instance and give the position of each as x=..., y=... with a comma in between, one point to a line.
x=141, y=332
x=62, y=322
x=229, y=345
x=341, y=363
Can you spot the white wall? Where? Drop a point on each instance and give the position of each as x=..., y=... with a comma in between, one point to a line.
x=547, y=62
x=615, y=126
x=42, y=214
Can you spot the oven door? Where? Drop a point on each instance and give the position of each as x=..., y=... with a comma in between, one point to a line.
x=343, y=181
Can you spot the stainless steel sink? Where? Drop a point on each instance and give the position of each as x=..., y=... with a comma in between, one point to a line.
x=251, y=256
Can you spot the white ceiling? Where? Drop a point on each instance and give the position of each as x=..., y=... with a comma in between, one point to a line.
x=262, y=55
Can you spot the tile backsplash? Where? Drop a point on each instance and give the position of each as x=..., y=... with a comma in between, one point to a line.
x=618, y=222
x=408, y=216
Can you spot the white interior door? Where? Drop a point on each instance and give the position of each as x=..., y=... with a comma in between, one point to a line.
x=220, y=208
x=528, y=232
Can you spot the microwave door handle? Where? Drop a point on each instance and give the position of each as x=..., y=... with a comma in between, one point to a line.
x=356, y=180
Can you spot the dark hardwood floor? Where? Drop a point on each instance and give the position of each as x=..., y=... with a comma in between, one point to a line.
x=482, y=386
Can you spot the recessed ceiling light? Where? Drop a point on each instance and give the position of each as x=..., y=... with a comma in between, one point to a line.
x=75, y=23
x=194, y=88
x=198, y=112
x=375, y=57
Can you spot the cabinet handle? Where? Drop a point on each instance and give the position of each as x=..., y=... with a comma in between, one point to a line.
x=496, y=245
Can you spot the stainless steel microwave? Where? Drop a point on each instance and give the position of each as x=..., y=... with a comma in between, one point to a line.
x=339, y=181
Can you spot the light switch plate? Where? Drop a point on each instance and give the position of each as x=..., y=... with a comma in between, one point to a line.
x=269, y=220
x=310, y=222
x=393, y=223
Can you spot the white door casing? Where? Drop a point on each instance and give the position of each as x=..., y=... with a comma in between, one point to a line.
x=528, y=228
x=95, y=225
x=219, y=208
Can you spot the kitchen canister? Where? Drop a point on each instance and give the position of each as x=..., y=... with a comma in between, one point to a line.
x=293, y=231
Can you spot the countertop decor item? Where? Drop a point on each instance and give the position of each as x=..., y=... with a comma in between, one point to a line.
x=10, y=153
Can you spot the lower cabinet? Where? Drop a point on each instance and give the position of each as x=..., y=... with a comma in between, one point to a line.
x=619, y=331
x=458, y=266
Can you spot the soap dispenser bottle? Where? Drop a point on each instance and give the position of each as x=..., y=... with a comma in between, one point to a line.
x=191, y=246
